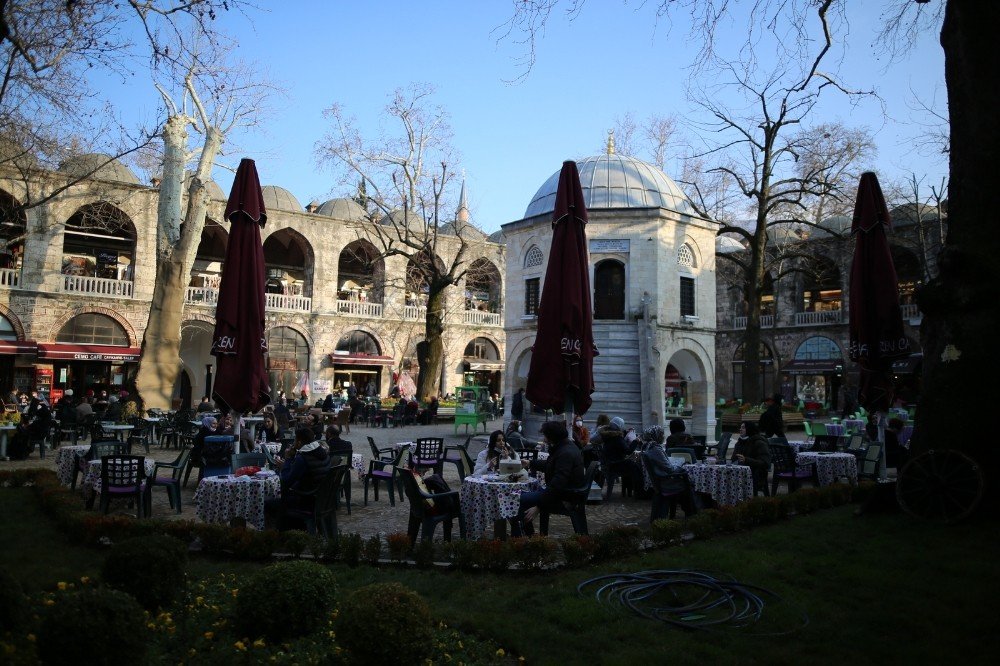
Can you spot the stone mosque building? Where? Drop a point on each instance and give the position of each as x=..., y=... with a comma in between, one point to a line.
x=77, y=275
x=652, y=264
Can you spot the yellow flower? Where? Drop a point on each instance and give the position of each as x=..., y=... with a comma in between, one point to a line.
x=199, y=600
x=447, y=657
x=31, y=638
x=500, y=652
x=49, y=602
x=151, y=625
x=239, y=645
x=209, y=635
x=235, y=592
x=192, y=652
x=61, y=585
x=84, y=579
x=460, y=646
x=259, y=643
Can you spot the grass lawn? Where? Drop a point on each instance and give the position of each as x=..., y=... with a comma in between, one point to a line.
x=880, y=588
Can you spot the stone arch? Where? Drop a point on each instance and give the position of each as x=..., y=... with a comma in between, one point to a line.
x=15, y=321
x=289, y=260
x=483, y=286
x=119, y=318
x=380, y=347
x=361, y=272
x=696, y=254
x=610, y=289
x=99, y=238
x=495, y=348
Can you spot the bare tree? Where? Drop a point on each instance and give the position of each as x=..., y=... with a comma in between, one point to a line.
x=407, y=183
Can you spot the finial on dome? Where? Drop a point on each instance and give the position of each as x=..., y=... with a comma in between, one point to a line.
x=611, y=142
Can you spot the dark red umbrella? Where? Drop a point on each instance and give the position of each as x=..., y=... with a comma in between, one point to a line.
x=876, y=336
x=239, y=343
x=562, y=359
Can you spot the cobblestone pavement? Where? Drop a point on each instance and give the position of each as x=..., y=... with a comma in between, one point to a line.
x=380, y=517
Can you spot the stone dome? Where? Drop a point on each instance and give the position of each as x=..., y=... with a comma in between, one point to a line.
x=342, y=209
x=96, y=165
x=278, y=198
x=727, y=245
x=615, y=181
x=214, y=191
x=839, y=224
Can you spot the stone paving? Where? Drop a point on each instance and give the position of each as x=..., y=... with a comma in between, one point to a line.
x=380, y=517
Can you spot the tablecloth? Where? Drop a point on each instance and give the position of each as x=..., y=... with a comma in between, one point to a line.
x=485, y=501
x=831, y=466
x=727, y=484
x=222, y=498
x=66, y=461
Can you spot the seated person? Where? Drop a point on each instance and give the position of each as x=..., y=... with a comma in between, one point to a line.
x=205, y=405
x=338, y=447
x=429, y=414
x=315, y=423
x=209, y=424
x=681, y=439
x=269, y=432
x=895, y=453
x=488, y=460
x=661, y=466
x=514, y=438
x=301, y=472
x=752, y=450
x=563, y=473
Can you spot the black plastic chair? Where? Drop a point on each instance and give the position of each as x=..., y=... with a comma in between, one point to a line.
x=458, y=455
x=386, y=454
x=429, y=454
x=870, y=464
x=96, y=451
x=255, y=459
x=380, y=470
x=787, y=470
x=323, y=517
x=123, y=476
x=172, y=483
x=423, y=519
x=722, y=448
x=668, y=492
x=575, y=506
x=527, y=454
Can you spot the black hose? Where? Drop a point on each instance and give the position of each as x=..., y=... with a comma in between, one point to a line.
x=687, y=599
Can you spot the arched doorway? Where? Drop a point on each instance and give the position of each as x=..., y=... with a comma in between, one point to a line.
x=482, y=364
x=91, y=352
x=609, y=290
x=687, y=371
x=196, y=344
x=358, y=360
x=186, y=390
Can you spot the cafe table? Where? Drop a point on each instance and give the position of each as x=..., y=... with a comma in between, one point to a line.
x=67, y=458
x=727, y=484
x=220, y=499
x=5, y=430
x=831, y=466
x=120, y=430
x=92, y=478
x=491, y=500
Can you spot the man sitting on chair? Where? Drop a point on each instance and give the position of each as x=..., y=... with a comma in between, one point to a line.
x=307, y=463
x=563, y=471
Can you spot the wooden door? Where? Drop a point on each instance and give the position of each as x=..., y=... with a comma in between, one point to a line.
x=609, y=290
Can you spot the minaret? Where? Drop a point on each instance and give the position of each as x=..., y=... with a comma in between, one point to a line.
x=462, y=214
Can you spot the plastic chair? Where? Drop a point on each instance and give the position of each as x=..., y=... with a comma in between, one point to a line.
x=683, y=452
x=575, y=507
x=123, y=476
x=668, y=492
x=323, y=517
x=428, y=454
x=788, y=471
x=171, y=483
x=386, y=454
x=870, y=464
x=344, y=419
x=96, y=451
x=722, y=448
x=255, y=459
x=379, y=471
x=461, y=459
x=139, y=435
x=808, y=428
x=423, y=519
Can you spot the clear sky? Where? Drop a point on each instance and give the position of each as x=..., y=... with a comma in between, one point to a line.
x=609, y=61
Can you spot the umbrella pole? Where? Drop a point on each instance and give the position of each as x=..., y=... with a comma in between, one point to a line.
x=568, y=412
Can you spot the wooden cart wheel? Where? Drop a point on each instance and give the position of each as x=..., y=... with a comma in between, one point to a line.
x=944, y=486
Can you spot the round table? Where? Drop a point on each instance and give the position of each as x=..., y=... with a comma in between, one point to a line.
x=67, y=458
x=222, y=498
x=117, y=428
x=487, y=500
x=92, y=479
x=727, y=484
x=831, y=466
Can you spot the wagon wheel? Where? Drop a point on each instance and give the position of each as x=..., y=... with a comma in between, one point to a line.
x=944, y=486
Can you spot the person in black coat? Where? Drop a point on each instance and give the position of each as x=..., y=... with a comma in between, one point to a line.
x=338, y=447
x=752, y=450
x=307, y=464
x=517, y=406
x=563, y=473
x=771, y=423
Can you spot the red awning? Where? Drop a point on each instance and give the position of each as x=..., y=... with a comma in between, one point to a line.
x=18, y=347
x=64, y=352
x=361, y=359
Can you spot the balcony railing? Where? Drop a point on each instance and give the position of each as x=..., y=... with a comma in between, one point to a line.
x=910, y=311
x=766, y=321
x=819, y=318
x=10, y=277
x=289, y=303
x=359, y=308
x=415, y=312
x=94, y=286
x=201, y=296
x=480, y=318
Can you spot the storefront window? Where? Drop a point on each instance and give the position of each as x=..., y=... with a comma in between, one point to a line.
x=287, y=360
x=358, y=342
x=93, y=329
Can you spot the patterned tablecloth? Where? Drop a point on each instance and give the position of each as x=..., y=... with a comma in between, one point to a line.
x=92, y=479
x=222, y=498
x=485, y=501
x=831, y=466
x=727, y=484
x=856, y=425
x=66, y=460
x=835, y=429
x=798, y=445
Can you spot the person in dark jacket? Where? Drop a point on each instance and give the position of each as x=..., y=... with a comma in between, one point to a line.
x=563, y=473
x=517, y=405
x=751, y=449
x=338, y=447
x=269, y=432
x=771, y=423
x=301, y=473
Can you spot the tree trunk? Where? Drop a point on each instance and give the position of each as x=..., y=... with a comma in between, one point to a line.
x=161, y=345
x=430, y=351
x=959, y=306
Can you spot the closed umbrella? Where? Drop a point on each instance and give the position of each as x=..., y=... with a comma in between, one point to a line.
x=876, y=328
x=561, y=375
x=239, y=344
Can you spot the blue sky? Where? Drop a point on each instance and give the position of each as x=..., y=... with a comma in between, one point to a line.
x=609, y=61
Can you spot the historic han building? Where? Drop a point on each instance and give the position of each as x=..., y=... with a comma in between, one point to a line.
x=77, y=275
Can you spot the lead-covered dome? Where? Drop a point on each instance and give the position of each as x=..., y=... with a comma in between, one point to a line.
x=98, y=166
x=342, y=209
x=278, y=198
x=616, y=181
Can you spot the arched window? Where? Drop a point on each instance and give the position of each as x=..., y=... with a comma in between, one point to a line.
x=533, y=257
x=766, y=371
x=93, y=329
x=7, y=331
x=358, y=342
x=99, y=241
x=818, y=348
x=360, y=273
x=287, y=358
x=908, y=272
x=288, y=258
x=13, y=223
x=483, y=286
x=482, y=348
x=821, y=289
x=685, y=256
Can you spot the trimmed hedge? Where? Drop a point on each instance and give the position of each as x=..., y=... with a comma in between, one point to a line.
x=285, y=600
x=385, y=623
x=150, y=568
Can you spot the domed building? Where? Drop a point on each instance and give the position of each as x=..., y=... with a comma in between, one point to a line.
x=652, y=262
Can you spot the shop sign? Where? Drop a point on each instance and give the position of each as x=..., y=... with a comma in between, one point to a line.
x=283, y=364
x=609, y=245
x=110, y=358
